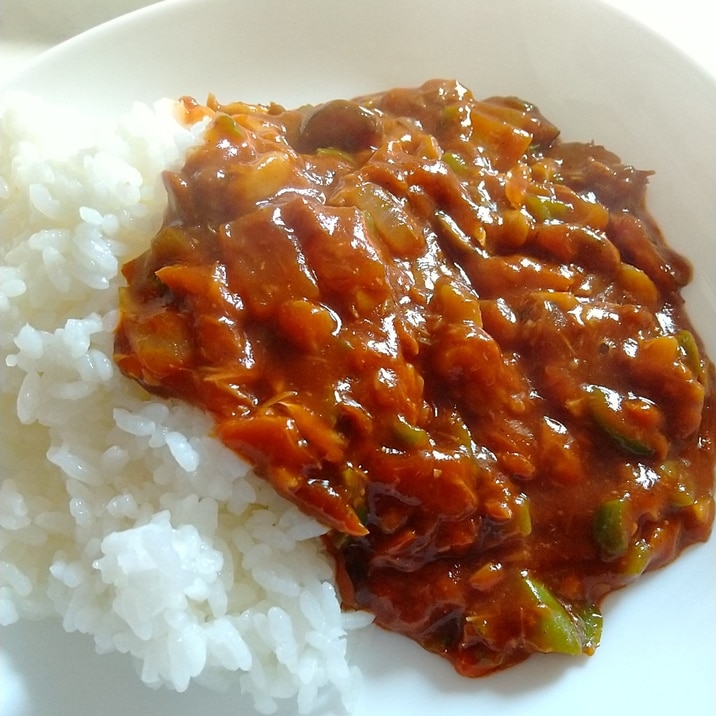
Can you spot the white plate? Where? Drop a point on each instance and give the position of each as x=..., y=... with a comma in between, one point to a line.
x=598, y=76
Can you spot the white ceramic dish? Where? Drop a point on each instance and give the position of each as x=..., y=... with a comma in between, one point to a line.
x=594, y=73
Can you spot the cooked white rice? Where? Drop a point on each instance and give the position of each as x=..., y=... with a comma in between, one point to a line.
x=118, y=511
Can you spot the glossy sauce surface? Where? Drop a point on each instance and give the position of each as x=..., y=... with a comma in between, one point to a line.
x=451, y=337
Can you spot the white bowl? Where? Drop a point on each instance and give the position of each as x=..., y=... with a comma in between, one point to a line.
x=599, y=77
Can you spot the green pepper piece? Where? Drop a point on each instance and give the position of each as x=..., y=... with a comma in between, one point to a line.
x=612, y=527
x=228, y=126
x=522, y=515
x=455, y=162
x=637, y=557
x=545, y=208
x=335, y=153
x=590, y=620
x=688, y=345
x=553, y=629
x=548, y=624
x=673, y=476
x=606, y=407
x=407, y=435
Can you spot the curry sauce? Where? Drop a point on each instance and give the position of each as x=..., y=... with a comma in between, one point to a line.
x=453, y=338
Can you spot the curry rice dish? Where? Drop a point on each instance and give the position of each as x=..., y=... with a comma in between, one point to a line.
x=454, y=340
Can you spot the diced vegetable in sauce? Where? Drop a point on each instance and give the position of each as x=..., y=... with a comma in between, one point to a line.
x=454, y=339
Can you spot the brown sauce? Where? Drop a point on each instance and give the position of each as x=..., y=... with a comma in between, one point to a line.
x=452, y=337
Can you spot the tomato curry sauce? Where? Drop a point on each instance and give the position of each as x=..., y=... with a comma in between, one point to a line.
x=453, y=338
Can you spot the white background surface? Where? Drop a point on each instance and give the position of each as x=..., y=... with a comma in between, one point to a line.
x=27, y=27
x=689, y=25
